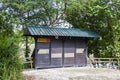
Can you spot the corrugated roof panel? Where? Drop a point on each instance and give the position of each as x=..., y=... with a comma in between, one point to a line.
x=48, y=32
x=72, y=32
x=31, y=31
x=36, y=31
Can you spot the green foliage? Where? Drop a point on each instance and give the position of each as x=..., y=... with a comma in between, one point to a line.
x=36, y=12
x=3, y=22
x=10, y=62
x=103, y=16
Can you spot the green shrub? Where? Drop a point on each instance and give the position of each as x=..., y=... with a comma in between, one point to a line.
x=10, y=62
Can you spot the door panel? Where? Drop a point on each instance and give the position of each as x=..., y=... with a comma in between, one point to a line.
x=43, y=55
x=56, y=53
x=81, y=58
x=69, y=51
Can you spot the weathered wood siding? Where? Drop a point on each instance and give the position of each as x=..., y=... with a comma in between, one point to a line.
x=56, y=53
x=42, y=56
x=61, y=52
x=69, y=52
x=81, y=48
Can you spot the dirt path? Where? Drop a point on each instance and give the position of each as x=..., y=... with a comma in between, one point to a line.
x=72, y=73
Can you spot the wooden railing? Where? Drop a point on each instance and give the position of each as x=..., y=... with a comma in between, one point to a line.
x=29, y=60
x=105, y=62
x=94, y=61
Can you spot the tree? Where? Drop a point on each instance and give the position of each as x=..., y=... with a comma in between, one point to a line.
x=39, y=12
x=10, y=62
x=103, y=16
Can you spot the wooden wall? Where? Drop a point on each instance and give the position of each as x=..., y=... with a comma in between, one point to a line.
x=51, y=52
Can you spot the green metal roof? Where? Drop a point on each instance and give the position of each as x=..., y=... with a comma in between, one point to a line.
x=68, y=32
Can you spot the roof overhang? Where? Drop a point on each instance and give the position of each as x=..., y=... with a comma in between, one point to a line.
x=60, y=32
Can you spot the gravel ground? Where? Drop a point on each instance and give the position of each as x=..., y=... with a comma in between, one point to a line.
x=72, y=73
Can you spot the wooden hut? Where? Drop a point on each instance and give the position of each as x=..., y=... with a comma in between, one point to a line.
x=59, y=47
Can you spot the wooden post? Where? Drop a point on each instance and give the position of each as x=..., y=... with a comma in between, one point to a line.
x=31, y=64
x=118, y=62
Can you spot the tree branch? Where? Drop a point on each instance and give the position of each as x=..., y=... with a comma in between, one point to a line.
x=58, y=17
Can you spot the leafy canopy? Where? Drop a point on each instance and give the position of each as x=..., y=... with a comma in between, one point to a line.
x=103, y=16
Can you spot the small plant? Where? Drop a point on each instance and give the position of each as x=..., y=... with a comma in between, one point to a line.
x=10, y=63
